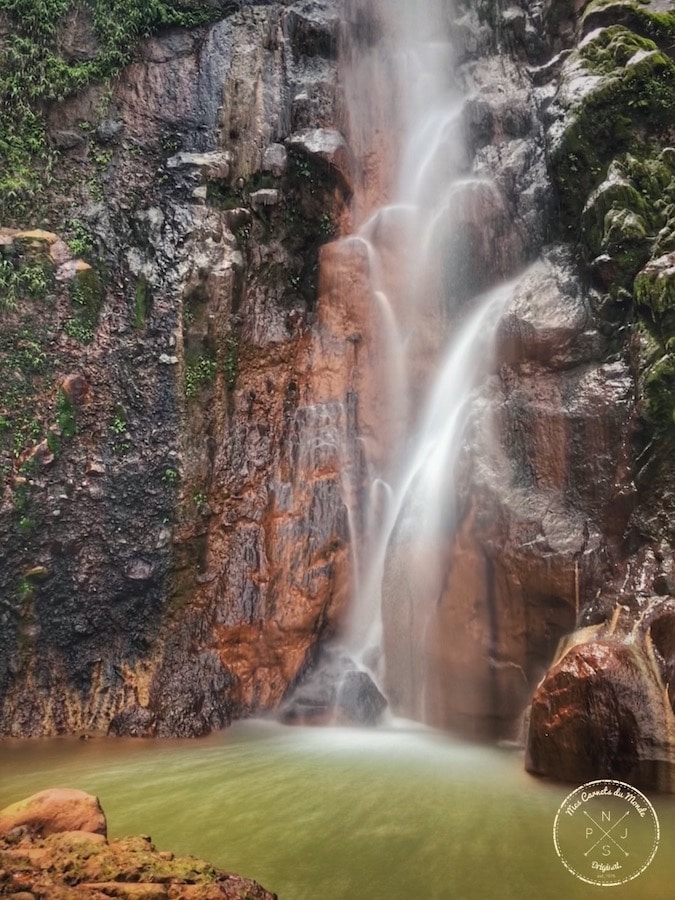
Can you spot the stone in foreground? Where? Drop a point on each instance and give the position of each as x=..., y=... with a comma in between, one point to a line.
x=44, y=857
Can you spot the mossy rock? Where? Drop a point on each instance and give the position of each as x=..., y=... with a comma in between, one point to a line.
x=655, y=285
x=658, y=389
x=627, y=217
x=613, y=48
x=615, y=194
x=627, y=242
x=625, y=97
x=86, y=295
x=636, y=15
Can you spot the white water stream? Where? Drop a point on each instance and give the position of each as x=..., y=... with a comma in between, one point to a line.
x=435, y=339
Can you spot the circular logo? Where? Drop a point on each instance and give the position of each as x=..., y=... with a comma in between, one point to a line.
x=606, y=832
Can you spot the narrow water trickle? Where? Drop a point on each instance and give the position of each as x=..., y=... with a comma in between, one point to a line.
x=432, y=328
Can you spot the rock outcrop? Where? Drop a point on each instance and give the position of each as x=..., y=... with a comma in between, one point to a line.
x=604, y=708
x=172, y=521
x=53, y=846
x=52, y=811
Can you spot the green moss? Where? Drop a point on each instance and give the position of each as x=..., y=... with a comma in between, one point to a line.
x=658, y=389
x=635, y=15
x=655, y=288
x=65, y=415
x=26, y=357
x=608, y=120
x=19, y=279
x=613, y=48
x=231, y=365
x=615, y=193
x=86, y=295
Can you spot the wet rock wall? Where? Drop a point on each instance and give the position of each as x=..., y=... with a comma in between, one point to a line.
x=175, y=559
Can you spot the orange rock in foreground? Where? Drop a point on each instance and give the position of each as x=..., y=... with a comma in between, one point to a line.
x=46, y=854
x=54, y=810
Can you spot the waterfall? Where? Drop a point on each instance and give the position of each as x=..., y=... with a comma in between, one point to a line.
x=432, y=328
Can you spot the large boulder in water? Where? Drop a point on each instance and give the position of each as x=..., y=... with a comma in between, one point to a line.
x=601, y=712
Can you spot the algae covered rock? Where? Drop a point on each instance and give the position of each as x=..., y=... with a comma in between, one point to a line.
x=52, y=852
x=615, y=85
x=655, y=285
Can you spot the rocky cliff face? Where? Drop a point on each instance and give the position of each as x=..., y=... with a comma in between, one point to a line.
x=610, y=131
x=173, y=524
x=189, y=381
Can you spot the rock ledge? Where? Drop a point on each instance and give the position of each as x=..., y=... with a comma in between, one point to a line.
x=43, y=856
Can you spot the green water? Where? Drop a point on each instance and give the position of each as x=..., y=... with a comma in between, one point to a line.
x=336, y=814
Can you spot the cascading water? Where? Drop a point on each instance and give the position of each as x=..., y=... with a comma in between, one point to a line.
x=432, y=329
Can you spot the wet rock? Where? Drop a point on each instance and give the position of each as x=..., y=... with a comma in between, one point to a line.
x=327, y=145
x=54, y=810
x=191, y=694
x=109, y=131
x=74, y=862
x=335, y=691
x=139, y=570
x=599, y=713
x=275, y=160
x=264, y=198
x=134, y=721
x=211, y=166
x=359, y=700
x=76, y=388
x=547, y=321
x=68, y=140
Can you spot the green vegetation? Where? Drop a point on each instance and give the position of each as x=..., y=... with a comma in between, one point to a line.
x=198, y=373
x=24, y=590
x=609, y=118
x=26, y=277
x=26, y=524
x=118, y=425
x=80, y=242
x=635, y=15
x=85, y=295
x=65, y=415
x=35, y=70
x=19, y=280
x=614, y=177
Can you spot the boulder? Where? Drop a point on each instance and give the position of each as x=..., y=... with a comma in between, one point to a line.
x=85, y=864
x=328, y=146
x=335, y=692
x=600, y=713
x=55, y=810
